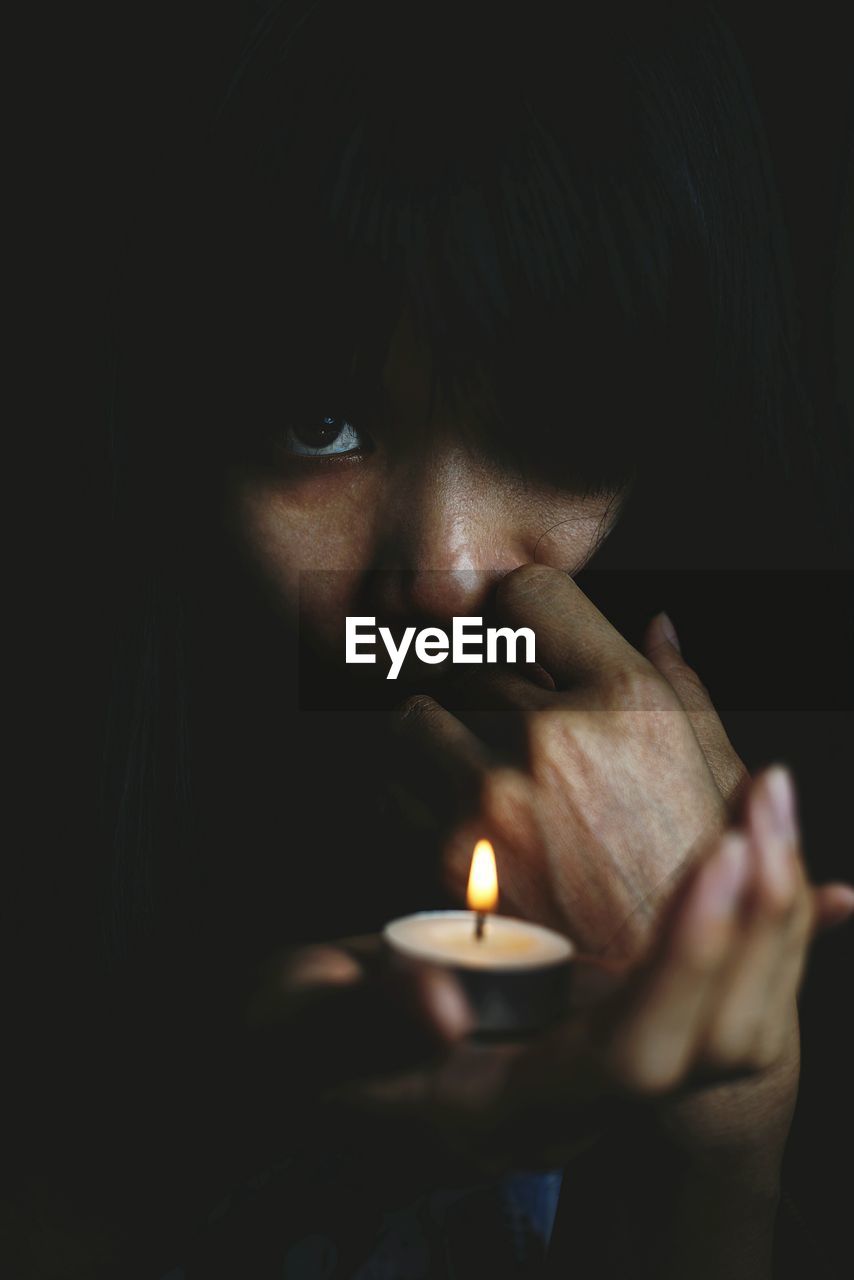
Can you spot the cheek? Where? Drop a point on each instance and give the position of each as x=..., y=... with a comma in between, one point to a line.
x=308, y=544
x=574, y=532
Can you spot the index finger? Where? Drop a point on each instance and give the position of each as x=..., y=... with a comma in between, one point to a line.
x=575, y=642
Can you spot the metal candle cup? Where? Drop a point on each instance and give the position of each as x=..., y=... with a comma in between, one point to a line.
x=515, y=976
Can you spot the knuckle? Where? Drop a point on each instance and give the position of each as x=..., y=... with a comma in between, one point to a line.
x=566, y=750
x=727, y=1049
x=763, y=1054
x=778, y=902
x=552, y=736
x=740, y=1050
x=647, y=1071
x=637, y=686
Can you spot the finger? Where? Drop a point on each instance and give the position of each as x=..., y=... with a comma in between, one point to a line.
x=773, y=826
x=435, y=754
x=777, y=821
x=321, y=1018
x=435, y=998
x=833, y=904
x=496, y=704
x=653, y=1035
x=294, y=976
x=317, y=966
x=661, y=646
x=575, y=642
x=752, y=1012
x=780, y=1008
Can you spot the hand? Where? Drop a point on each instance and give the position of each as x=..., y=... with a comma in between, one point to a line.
x=737, y=1130
x=710, y=1000
x=694, y=1181
x=624, y=772
x=596, y=792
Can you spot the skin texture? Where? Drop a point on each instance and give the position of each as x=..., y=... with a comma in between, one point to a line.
x=425, y=496
x=622, y=815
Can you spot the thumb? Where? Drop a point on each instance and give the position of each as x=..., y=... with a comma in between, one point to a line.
x=322, y=1010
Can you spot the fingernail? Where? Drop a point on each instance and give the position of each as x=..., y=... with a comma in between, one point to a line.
x=774, y=831
x=726, y=875
x=669, y=630
x=777, y=867
x=780, y=796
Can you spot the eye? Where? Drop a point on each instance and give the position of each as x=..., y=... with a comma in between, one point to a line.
x=323, y=438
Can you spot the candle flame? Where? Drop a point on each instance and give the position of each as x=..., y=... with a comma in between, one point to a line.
x=482, y=893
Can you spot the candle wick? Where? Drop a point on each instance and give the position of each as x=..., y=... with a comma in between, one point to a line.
x=479, y=922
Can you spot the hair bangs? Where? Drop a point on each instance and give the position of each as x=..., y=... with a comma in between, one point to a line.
x=553, y=214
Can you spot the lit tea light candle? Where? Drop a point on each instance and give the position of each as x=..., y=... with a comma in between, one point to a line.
x=482, y=892
x=514, y=973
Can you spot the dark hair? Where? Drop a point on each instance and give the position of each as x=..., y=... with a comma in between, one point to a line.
x=583, y=222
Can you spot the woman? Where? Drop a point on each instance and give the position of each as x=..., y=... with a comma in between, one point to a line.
x=450, y=316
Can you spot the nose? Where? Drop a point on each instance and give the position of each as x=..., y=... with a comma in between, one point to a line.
x=452, y=528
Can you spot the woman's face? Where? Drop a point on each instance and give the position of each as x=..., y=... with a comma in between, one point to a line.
x=407, y=518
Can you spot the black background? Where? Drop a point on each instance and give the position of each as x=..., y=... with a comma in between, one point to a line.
x=118, y=98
